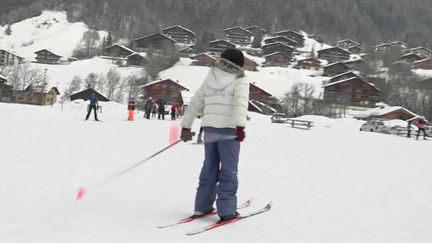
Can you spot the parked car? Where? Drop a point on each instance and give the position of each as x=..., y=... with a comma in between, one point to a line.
x=376, y=126
x=279, y=118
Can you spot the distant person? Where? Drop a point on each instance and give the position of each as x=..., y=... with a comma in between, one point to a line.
x=94, y=105
x=161, y=106
x=173, y=111
x=224, y=97
x=422, y=123
x=409, y=127
x=154, y=110
x=148, y=108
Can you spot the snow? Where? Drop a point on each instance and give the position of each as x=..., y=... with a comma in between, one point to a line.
x=51, y=30
x=332, y=183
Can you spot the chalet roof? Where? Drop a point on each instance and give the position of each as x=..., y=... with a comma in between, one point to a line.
x=12, y=52
x=276, y=53
x=422, y=60
x=280, y=37
x=255, y=27
x=288, y=31
x=181, y=27
x=412, y=54
x=393, y=43
x=345, y=73
x=137, y=54
x=347, y=40
x=2, y=77
x=335, y=48
x=309, y=58
x=256, y=87
x=350, y=79
x=278, y=43
x=121, y=46
x=354, y=60
x=419, y=48
x=336, y=63
x=48, y=50
x=203, y=54
x=41, y=89
x=380, y=111
x=164, y=80
x=160, y=34
x=239, y=28
x=220, y=40
x=85, y=94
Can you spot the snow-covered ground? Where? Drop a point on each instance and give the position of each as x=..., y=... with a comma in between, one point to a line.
x=328, y=184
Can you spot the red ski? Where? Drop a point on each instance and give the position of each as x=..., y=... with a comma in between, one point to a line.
x=189, y=219
x=216, y=225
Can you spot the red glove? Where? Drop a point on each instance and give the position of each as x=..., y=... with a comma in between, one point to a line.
x=240, y=134
x=186, y=134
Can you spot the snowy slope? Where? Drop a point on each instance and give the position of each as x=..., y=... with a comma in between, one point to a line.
x=51, y=30
x=329, y=184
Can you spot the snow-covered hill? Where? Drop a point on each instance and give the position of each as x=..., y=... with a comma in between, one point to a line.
x=329, y=184
x=51, y=30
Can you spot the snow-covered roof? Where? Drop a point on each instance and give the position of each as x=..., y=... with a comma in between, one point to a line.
x=161, y=34
x=2, y=77
x=335, y=63
x=337, y=48
x=347, y=40
x=278, y=43
x=121, y=46
x=238, y=27
x=275, y=53
x=221, y=40
x=288, y=31
x=422, y=60
x=163, y=80
x=380, y=111
x=48, y=50
x=345, y=73
x=349, y=79
x=419, y=48
x=179, y=26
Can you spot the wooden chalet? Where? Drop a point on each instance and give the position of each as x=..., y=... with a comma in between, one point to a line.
x=257, y=31
x=385, y=47
x=347, y=44
x=118, y=50
x=299, y=38
x=136, y=59
x=203, y=59
x=278, y=47
x=411, y=57
x=166, y=89
x=356, y=64
x=9, y=58
x=401, y=65
x=180, y=34
x=334, y=69
x=355, y=49
x=85, y=95
x=258, y=99
x=334, y=54
x=48, y=57
x=35, y=95
x=352, y=91
x=310, y=63
x=249, y=64
x=6, y=90
x=423, y=64
x=278, y=59
x=155, y=42
x=386, y=112
x=422, y=51
x=238, y=35
x=281, y=39
x=219, y=46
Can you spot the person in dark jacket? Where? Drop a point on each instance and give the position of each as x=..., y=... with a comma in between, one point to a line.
x=92, y=106
x=422, y=123
x=148, y=108
x=161, y=104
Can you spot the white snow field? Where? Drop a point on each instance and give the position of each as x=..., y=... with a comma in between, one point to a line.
x=332, y=183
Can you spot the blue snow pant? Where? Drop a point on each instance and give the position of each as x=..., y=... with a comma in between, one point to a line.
x=219, y=172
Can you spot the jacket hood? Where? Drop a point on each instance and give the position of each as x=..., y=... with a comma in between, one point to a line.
x=223, y=73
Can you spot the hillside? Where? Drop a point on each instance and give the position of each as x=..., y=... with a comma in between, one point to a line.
x=366, y=21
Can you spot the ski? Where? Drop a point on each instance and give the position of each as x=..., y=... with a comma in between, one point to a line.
x=216, y=225
x=189, y=219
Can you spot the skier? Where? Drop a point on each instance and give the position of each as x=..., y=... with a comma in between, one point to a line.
x=161, y=106
x=173, y=111
x=422, y=123
x=224, y=97
x=93, y=105
x=147, y=108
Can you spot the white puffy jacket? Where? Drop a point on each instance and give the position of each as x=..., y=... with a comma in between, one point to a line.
x=223, y=97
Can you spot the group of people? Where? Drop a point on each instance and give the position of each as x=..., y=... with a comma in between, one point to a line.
x=159, y=108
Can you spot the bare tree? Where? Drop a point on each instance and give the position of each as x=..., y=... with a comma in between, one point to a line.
x=20, y=76
x=113, y=82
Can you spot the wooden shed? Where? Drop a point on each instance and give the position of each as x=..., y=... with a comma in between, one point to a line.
x=278, y=59
x=203, y=59
x=219, y=46
x=423, y=64
x=281, y=39
x=36, y=95
x=118, y=50
x=136, y=59
x=294, y=35
x=238, y=35
x=310, y=63
x=334, y=54
x=85, y=94
x=155, y=41
x=278, y=47
x=334, y=69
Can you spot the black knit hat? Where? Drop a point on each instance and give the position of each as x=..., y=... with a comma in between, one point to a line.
x=234, y=55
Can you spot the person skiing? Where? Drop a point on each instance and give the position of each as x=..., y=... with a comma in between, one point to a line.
x=148, y=108
x=92, y=106
x=173, y=111
x=422, y=123
x=224, y=97
x=161, y=106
